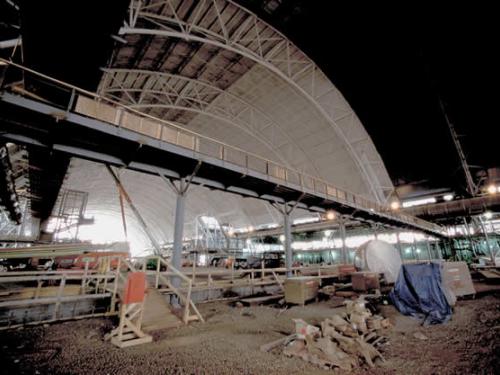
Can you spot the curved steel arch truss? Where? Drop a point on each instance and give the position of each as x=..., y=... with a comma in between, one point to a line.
x=226, y=25
x=146, y=90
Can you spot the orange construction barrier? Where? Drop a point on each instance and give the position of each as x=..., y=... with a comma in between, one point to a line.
x=135, y=290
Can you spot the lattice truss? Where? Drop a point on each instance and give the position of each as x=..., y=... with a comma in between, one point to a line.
x=182, y=57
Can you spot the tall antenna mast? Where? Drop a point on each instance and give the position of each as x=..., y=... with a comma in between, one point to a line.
x=471, y=186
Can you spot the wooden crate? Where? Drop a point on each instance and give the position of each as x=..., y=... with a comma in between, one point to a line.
x=301, y=289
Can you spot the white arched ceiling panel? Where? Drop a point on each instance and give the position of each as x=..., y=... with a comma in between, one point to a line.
x=155, y=201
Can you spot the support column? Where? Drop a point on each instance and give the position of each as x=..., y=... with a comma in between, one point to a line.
x=438, y=250
x=400, y=248
x=429, y=249
x=414, y=249
x=345, y=257
x=178, y=233
x=486, y=237
x=288, y=243
x=286, y=209
x=180, y=192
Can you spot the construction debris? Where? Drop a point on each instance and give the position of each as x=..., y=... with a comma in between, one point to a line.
x=344, y=342
x=420, y=336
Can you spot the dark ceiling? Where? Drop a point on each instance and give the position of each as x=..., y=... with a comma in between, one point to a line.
x=391, y=65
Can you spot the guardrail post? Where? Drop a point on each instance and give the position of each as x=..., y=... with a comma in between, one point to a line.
x=59, y=295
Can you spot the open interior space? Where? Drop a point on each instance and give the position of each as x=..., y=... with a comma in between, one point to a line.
x=248, y=187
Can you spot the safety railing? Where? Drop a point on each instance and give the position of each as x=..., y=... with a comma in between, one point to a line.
x=163, y=273
x=32, y=289
x=104, y=279
x=95, y=106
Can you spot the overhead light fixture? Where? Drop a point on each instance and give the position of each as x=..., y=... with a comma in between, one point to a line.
x=492, y=189
x=448, y=197
x=282, y=238
x=419, y=202
x=395, y=205
x=330, y=215
x=488, y=215
x=250, y=228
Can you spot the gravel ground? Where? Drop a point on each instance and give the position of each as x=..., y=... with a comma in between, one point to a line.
x=228, y=343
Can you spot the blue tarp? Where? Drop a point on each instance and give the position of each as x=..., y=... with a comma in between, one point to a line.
x=418, y=292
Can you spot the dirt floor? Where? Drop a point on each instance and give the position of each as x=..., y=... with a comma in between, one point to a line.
x=228, y=343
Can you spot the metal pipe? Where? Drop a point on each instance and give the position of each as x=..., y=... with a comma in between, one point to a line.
x=143, y=224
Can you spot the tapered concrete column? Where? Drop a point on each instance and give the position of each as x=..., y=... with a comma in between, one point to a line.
x=178, y=235
x=288, y=244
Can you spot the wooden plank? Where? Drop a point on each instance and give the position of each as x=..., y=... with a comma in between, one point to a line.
x=252, y=301
x=47, y=301
x=490, y=274
x=138, y=341
x=273, y=344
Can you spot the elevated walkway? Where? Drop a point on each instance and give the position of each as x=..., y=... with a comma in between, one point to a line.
x=93, y=127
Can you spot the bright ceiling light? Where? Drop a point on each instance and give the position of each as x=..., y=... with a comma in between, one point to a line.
x=419, y=202
x=250, y=228
x=282, y=238
x=330, y=215
x=394, y=205
x=488, y=215
x=448, y=197
x=492, y=189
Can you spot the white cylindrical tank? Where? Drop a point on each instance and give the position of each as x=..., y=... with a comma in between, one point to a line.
x=379, y=256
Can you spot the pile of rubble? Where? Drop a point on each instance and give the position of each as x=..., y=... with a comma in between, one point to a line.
x=343, y=342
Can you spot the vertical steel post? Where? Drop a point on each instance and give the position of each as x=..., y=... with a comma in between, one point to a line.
x=400, y=248
x=486, y=237
x=429, y=249
x=288, y=243
x=345, y=257
x=178, y=233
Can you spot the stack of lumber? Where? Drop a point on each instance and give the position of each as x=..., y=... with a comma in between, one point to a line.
x=342, y=341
